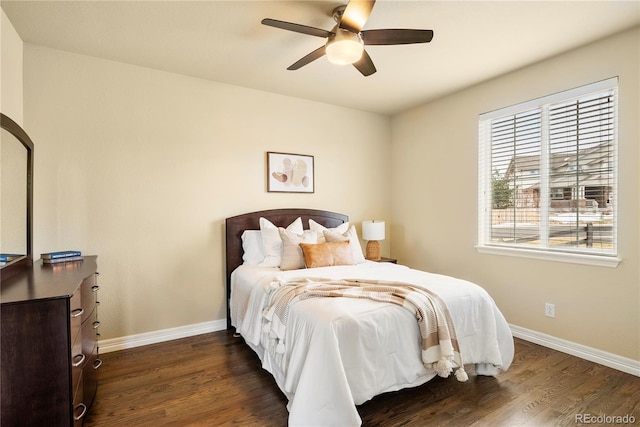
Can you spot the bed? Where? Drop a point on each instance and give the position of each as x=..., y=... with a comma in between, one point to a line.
x=330, y=354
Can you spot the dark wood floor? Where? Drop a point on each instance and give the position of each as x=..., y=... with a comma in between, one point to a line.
x=215, y=379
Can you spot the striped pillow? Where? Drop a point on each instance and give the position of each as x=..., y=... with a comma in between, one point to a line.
x=292, y=258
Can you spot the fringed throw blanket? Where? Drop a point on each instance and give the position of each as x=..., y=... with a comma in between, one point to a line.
x=440, y=348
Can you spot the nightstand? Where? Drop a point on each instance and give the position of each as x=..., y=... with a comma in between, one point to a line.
x=391, y=260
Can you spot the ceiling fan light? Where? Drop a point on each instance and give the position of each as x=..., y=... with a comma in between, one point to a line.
x=344, y=48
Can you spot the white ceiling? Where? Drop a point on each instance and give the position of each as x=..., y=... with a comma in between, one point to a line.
x=224, y=41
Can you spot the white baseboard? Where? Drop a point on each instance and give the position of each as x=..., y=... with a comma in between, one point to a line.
x=131, y=341
x=611, y=360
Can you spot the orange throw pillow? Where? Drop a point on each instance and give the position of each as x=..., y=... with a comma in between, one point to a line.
x=327, y=254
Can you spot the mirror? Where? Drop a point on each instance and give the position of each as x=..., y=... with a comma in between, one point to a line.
x=13, y=222
x=16, y=196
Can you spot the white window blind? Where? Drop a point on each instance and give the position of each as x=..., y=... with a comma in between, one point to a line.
x=547, y=173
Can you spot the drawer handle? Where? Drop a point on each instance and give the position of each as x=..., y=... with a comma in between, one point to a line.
x=79, y=362
x=97, y=363
x=95, y=288
x=82, y=414
x=77, y=313
x=96, y=324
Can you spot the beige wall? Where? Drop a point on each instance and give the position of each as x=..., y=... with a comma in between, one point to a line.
x=434, y=202
x=10, y=70
x=141, y=167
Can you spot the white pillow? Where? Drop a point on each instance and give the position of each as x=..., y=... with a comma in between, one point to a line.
x=253, y=252
x=292, y=258
x=354, y=242
x=272, y=243
x=319, y=229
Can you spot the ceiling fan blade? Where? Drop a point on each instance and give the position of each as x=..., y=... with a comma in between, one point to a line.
x=356, y=14
x=365, y=65
x=298, y=28
x=307, y=59
x=396, y=36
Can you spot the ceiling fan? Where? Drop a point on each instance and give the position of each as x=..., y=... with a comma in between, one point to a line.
x=345, y=42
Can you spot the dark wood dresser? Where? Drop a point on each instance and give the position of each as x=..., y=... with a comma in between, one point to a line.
x=49, y=344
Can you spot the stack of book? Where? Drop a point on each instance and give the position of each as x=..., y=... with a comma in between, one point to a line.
x=5, y=258
x=61, y=256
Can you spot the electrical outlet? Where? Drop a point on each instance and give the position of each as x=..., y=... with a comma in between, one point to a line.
x=549, y=310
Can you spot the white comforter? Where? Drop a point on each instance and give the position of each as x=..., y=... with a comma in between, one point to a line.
x=341, y=352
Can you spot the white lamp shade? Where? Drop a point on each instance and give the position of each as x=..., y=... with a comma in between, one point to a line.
x=373, y=230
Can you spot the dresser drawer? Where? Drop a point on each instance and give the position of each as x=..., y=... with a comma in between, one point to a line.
x=89, y=291
x=90, y=351
x=90, y=377
x=90, y=333
x=78, y=361
x=76, y=312
x=79, y=407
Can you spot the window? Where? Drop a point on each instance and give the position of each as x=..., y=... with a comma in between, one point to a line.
x=547, y=177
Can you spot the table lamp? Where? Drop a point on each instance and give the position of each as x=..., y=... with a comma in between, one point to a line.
x=372, y=231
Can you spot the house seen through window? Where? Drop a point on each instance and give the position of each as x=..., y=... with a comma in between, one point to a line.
x=548, y=173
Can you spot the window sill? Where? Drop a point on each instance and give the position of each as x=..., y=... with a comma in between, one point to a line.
x=586, y=259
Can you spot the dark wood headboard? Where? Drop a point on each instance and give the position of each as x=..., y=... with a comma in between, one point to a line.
x=236, y=225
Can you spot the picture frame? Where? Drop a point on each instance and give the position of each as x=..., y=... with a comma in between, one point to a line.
x=290, y=173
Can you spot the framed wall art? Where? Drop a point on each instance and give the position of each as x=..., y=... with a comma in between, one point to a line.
x=289, y=173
